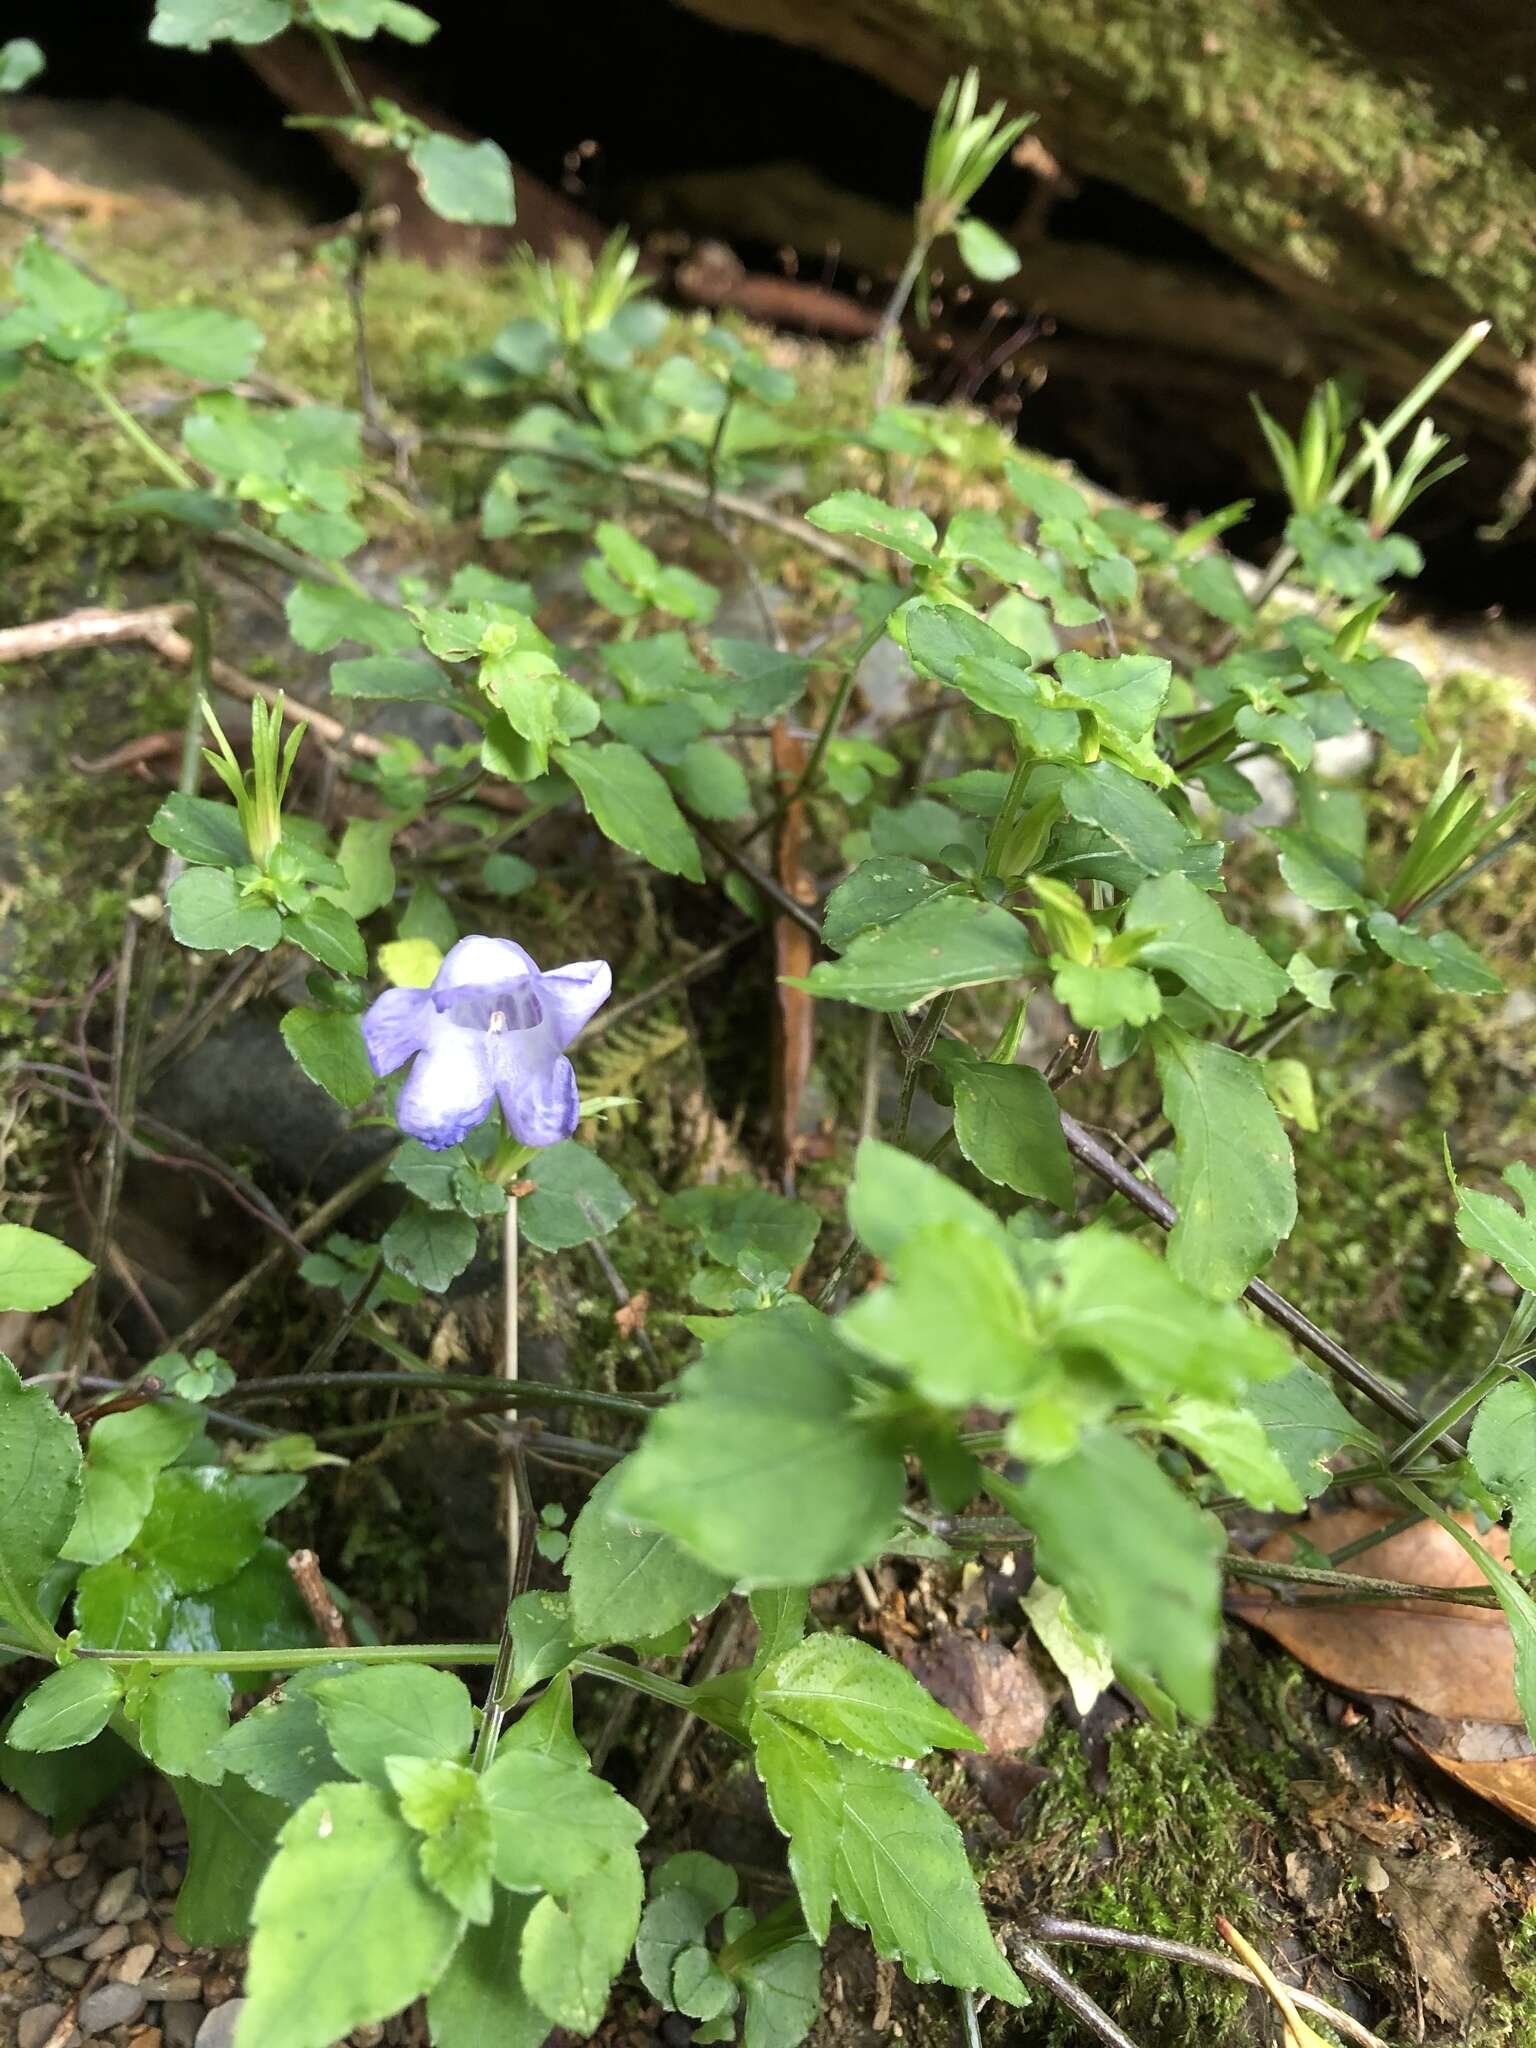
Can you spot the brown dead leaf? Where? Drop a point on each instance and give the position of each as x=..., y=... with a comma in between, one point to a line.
x=995, y=1691
x=1443, y=1914
x=1453, y=1662
x=1488, y=1758
x=630, y=1315
x=33, y=188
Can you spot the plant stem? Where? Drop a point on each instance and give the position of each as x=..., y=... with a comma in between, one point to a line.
x=529, y=1392
x=834, y=718
x=296, y=1659
x=142, y=439
x=1034, y=1962
x=889, y=330
x=1460, y=1404
x=516, y=1487
x=1265, y=1569
x=1373, y=1538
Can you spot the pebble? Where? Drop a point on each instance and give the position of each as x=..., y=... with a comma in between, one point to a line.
x=147, y=2037
x=180, y=2024
x=176, y=1943
x=130, y=1967
x=70, y=1970
x=21, y=1829
x=37, y=2023
x=218, y=2030
x=178, y=1987
x=107, y=1943
x=66, y=1943
x=44, y=1913
x=70, y=1867
x=114, y=1896
x=145, y=1930
x=111, y=2005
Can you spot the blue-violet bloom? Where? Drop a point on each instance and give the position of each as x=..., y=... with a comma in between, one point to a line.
x=490, y=1026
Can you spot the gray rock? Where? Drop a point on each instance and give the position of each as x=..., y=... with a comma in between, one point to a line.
x=180, y=2025
x=38, y=2022
x=110, y=2005
x=44, y=1913
x=218, y=2030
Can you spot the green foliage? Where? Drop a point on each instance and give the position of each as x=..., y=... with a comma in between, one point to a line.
x=386, y=1833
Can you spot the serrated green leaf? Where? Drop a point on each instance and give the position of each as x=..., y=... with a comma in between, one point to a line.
x=126, y=1454
x=184, y=1715
x=347, y=1929
x=1502, y=1447
x=200, y=341
x=479, y=1998
x=879, y=891
x=328, y=934
x=206, y=833
x=1100, y=997
x=1125, y=692
x=553, y=1823
x=194, y=24
x=37, y=1271
x=208, y=914
x=1445, y=957
x=322, y=615
x=1195, y=941
x=1139, y=823
x=124, y=1604
x=328, y=1046
x=762, y=1466
x=281, y=1748
x=1136, y=1558
x=1008, y=1125
x=465, y=181
x=631, y=804
x=232, y=1831
x=575, y=1198
x=629, y=1583
x=1235, y=1181
x=1486, y=1223
x=1307, y=1424
x=1234, y=1444
x=895, y=1195
x=390, y=1710
x=948, y=943
x=902, y=529
x=848, y=1693
x=430, y=1247
x=570, y=1957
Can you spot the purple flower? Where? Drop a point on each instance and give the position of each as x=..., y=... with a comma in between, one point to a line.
x=491, y=1025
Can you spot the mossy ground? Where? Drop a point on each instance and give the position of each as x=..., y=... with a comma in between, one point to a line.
x=1176, y=1821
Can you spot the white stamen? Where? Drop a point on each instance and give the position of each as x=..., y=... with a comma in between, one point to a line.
x=498, y=1021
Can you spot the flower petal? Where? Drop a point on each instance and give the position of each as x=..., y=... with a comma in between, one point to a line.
x=540, y=1102
x=450, y=1089
x=572, y=995
x=479, y=962
x=396, y=1025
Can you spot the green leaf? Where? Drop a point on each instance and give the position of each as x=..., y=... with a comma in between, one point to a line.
x=479, y=1998
x=1125, y=693
x=430, y=1247
x=1326, y=876
x=232, y=1831
x=1194, y=940
x=628, y=1583
x=70, y=1707
x=197, y=340
x=20, y=62
x=206, y=833
x=576, y=1198
x=902, y=529
x=984, y=252
x=347, y=1929
x=553, y=1823
x=281, y=1748
x=392, y=679
x=39, y=1491
x=1100, y=997
x=66, y=1785
x=1139, y=823
x=951, y=942
x=751, y=1223
x=322, y=615
x=1211, y=582
x=711, y=781
x=390, y=1710
x=1234, y=1444
x=183, y=1716
x=1485, y=1223
x=879, y=891
x=1445, y=957
x=208, y=913
x=1078, y=1654
x=894, y=1195
x=1311, y=981
x=508, y=874
x=37, y=1271
x=204, y=1525
x=780, y=1613
x=1235, y=1182
x=63, y=308
x=1502, y=1447
x=1008, y=1125
x=364, y=854
x=328, y=1045
x=631, y=804
x=365, y=18
x=847, y=1692
x=445, y=1803
x=465, y=181
x=1389, y=695
x=761, y=1466
x=783, y=1994
x=881, y=1842
x=543, y=1641
x=1138, y=1561
x=123, y=1604
x=571, y=1957
x=194, y=24
x=329, y=935
x=127, y=1452
x=1307, y=1424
